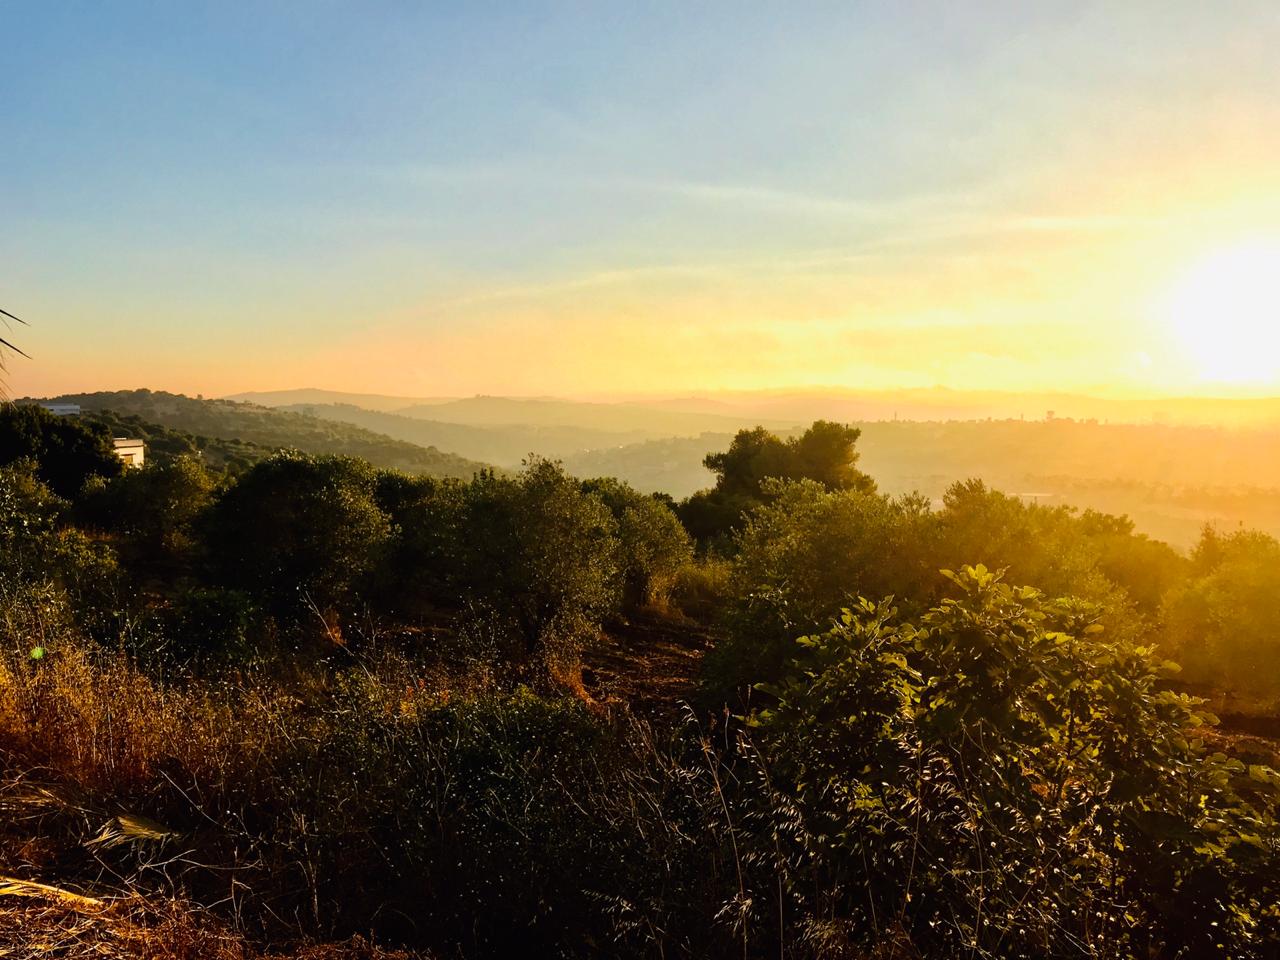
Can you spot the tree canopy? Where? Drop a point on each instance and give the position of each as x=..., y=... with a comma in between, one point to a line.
x=66, y=450
x=825, y=454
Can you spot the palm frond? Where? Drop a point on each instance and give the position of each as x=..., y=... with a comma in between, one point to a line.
x=6, y=343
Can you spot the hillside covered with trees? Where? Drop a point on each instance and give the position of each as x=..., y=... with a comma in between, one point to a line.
x=224, y=420
x=321, y=700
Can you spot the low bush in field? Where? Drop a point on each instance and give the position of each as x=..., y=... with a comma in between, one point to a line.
x=701, y=588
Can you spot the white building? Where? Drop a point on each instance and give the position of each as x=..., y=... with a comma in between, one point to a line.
x=132, y=452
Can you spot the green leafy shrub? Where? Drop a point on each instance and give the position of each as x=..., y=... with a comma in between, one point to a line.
x=153, y=510
x=423, y=564
x=37, y=548
x=804, y=556
x=1000, y=778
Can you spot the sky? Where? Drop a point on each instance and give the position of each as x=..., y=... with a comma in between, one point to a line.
x=581, y=200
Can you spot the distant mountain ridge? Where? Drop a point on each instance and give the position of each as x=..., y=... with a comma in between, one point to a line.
x=368, y=401
x=505, y=446
x=505, y=432
x=692, y=413
x=638, y=420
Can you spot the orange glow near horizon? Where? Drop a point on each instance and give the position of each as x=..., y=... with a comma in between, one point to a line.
x=1167, y=290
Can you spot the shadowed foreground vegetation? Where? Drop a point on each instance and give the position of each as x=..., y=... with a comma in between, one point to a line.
x=321, y=701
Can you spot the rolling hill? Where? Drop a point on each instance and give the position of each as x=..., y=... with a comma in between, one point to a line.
x=504, y=445
x=265, y=427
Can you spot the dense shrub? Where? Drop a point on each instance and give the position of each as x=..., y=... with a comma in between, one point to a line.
x=808, y=552
x=154, y=509
x=1223, y=623
x=38, y=548
x=652, y=544
x=804, y=556
x=1146, y=569
x=1002, y=779
x=1039, y=545
x=423, y=564
x=298, y=531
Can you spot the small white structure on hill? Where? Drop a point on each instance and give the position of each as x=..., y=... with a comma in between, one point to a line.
x=132, y=452
x=61, y=409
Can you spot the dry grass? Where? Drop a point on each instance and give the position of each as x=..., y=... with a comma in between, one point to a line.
x=97, y=721
x=144, y=792
x=37, y=920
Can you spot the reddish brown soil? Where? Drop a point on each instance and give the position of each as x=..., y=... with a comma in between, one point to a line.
x=651, y=663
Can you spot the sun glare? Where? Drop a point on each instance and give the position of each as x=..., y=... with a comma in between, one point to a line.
x=1225, y=314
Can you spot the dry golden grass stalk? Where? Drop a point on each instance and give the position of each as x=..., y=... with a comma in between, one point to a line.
x=12, y=887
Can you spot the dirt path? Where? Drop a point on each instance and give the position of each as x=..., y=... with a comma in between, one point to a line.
x=651, y=663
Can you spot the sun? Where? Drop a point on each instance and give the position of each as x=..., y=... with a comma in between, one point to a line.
x=1225, y=314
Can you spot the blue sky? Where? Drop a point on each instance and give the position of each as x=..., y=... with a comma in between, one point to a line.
x=570, y=199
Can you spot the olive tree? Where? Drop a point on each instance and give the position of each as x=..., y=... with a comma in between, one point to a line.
x=299, y=530
x=540, y=552
x=652, y=543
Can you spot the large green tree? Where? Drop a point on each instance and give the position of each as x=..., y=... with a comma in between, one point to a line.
x=825, y=454
x=298, y=531
x=540, y=552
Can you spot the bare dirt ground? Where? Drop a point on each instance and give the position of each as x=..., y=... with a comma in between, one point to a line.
x=651, y=663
